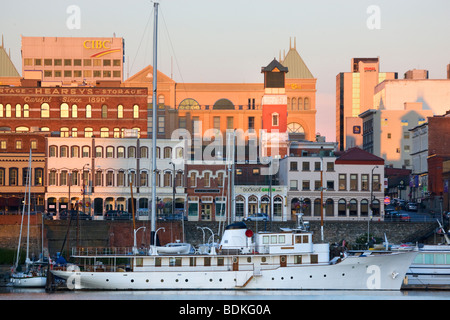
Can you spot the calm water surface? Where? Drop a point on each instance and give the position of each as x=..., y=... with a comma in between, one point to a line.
x=7, y=293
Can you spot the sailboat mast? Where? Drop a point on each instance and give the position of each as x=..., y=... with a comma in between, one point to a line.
x=154, y=115
x=29, y=205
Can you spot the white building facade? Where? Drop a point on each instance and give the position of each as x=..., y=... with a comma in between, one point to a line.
x=349, y=182
x=95, y=174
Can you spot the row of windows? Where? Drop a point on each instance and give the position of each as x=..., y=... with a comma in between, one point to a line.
x=342, y=183
x=13, y=178
x=306, y=166
x=110, y=152
x=344, y=207
x=65, y=111
x=83, y=74
x=18, y=144
x=298, y=104
x=111, y=178
x=75, y=62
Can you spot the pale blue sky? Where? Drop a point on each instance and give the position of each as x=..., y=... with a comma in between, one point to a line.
x=230, y=40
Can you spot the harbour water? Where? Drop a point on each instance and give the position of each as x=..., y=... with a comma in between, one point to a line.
x=8, y=293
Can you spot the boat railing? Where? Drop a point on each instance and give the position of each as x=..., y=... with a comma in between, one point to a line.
x=104, y=251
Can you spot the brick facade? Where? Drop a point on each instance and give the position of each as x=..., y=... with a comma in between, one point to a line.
x=74, y=112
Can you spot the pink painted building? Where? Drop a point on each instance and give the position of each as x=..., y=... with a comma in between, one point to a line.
x=69, y=61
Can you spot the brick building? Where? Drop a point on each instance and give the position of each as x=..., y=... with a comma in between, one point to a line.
x=14, y=160
x=74, y=111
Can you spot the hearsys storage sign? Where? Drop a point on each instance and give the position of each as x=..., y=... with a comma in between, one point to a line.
x=73, y=91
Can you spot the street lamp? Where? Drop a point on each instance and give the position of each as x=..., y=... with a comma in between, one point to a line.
x=371, y=207
x=135, y=250
x=154, y=252
x=84, y=187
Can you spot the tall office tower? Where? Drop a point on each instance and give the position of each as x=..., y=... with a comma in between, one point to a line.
x=354, y=95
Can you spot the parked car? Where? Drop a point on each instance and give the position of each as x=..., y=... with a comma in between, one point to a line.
x=117, y=215
x=257, y=217
x=391, y=215
x=63, y=215
x=404, y=217
x=172, y=217
x=412, y=206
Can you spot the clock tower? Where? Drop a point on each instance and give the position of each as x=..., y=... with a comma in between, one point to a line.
x=274, y=137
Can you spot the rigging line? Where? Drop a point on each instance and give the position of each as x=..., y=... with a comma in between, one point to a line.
x=173, y=51
x=142, y=38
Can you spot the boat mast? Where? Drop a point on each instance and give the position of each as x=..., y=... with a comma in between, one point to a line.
x=154, y=113
x=27, y=260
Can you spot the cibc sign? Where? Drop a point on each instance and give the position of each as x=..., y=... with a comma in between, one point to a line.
x=97, y=44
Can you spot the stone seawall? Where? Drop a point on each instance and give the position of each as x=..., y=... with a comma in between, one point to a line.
x=120, y=233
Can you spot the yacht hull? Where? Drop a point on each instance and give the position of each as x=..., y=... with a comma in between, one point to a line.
x=375, y=272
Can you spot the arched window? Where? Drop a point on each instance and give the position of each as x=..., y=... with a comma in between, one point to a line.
x=277, y=207
x=120, y=152
x=22, y=129
x=293, y=104
x=329, y=208
x=376, y=208
x=307, y=107
x=300, y=103
x=8, y=111
x=104, y=111
x=223, y=104
x=342, y=207
x=307, y=207
x=88, y=132
x=104, y=132
x=143, y=179
x=88, y=111
x=179, y=153
x=252, y=205
x=295, y=127
x=45, y=110
x=167, y=153
x=353, y=208
x=317, y=212
x=86, y=152
x=74, y=111
x=364, y=208
x=136, y=111
x=53, y=151
x=131, y=152
x=167, y=179
x=120, y=111
x=64, y=152
x=64, y=110
x=109, y=152
x=74, y=152
x=26, y=111
x=64, y=132
x=240, y=205
x=18, y=111
x=144, y=152
x=99, y=152
x=189, y=104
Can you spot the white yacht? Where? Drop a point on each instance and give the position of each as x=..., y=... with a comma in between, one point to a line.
x=267, y=260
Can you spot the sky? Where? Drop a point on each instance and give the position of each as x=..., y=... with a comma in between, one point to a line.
x=209, y=41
